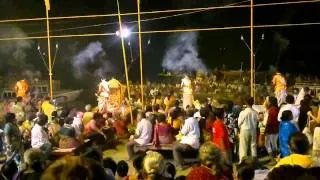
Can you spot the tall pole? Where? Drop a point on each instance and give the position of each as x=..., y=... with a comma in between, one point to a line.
x=47, y=4
x=141, y=60
x=125, y=61
x=251, y=50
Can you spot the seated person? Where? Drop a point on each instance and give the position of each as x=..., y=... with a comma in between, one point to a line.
x=54, y=128
x=260, y=172
x=212, y=164
x=299, y=146
x=74, y=167
x=153, y=165
x=110, y=166
x=244, y=172
x=162, y=131
x=68, y=137
x=175, y=121
x=286, y=129
x=77, y=124
x=190, y=139
x=35, y=162
x=88, y=115
x=143, y=134
x=122, y=170
x=39, y=135
x=289, y=172
x=137, y=165
x=95, y=125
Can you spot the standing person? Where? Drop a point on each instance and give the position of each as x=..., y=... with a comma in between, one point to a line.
x=190, y=139
x=248, y=122
x=142, y=136
x=13, y=139
x=285, y=131
x=271, y=124
x=39, y=136
x=220, y=135
x=303, y=116
x=21, y=88
x=186, y=85
x=291, y=107
x=231, y=121
x=304, y=91
x=280, y=87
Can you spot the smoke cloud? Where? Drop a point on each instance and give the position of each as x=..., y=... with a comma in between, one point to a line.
x=92, y=62
x=282, y=43
x=14, y=53
x=182, y=54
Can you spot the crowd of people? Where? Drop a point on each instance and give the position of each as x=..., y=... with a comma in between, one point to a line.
x=222, y=140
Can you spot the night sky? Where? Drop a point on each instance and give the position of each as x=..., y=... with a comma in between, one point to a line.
x=294, y=49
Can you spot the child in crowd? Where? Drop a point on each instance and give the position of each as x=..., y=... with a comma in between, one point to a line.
x=285, y=131
x=122, y=170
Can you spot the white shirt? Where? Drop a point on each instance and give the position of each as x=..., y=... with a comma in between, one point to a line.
x=295, y=112
x=39, y=136
x=144, y=132
x=248, y=119
x=77, y=125
x=191, y=133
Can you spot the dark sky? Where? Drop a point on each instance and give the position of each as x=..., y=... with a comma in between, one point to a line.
x=294, y=49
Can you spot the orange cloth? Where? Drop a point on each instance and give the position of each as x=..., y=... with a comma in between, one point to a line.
x=279, y=83
x=21, y=88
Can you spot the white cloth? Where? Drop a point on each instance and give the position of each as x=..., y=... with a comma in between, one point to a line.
x=295, y=112
x=261, y=174
x=281, y=96
x=271, y=142
x=191, y=133
x=247, y=138
x=248, y=119
x=300, y=97
x=39, y=136
x=144, y=132
x=316, y=143
x=187, y=92
x=77, y=125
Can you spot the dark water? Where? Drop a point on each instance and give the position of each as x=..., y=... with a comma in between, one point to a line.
x=86, y=97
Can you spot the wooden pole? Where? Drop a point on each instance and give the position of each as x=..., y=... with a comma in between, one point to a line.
x=141, y=58
x=252, y=51
x=49, y=54
x=125, y=62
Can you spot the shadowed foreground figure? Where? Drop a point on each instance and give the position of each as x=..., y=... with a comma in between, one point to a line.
x=71, y=167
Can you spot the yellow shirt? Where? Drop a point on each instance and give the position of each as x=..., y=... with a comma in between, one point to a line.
x=304, y=161
x=47, y=109
x=176, y=124
x=87, y=116
x=169, y=102
x=27, y=125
